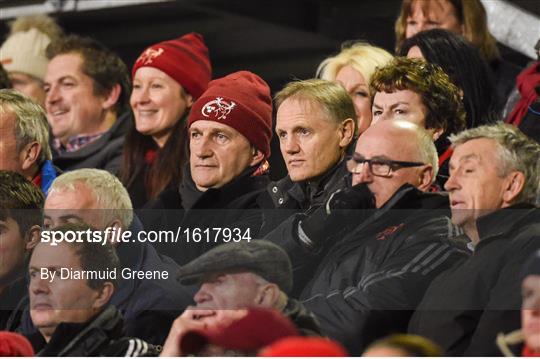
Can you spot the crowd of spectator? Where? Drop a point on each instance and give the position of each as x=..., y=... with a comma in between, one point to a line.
x=407, y=223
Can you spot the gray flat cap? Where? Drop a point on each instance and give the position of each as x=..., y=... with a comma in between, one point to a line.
x=262, y=257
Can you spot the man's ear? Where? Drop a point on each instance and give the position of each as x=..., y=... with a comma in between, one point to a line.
x=426, y=177
x=258, y=156
x=514, y=186
x=189, y=99
x=268, y=295
x=346, y=132
x=32, y=237
x=29, y=155
x=112, y=97
x=104, y=295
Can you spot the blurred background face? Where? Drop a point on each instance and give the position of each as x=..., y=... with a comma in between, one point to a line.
x=28, y=85
x=530, y=314
x=218, y=154
x=310, y=143
x=432, y=14
x=72, y=106
x=62, y=300
x=358, y=89
x=158, y=103
x=12, y=251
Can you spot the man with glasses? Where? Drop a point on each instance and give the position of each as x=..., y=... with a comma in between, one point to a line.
x=377, y=263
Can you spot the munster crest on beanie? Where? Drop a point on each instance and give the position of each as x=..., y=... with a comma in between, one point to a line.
x=242, y=101
x=184, y=59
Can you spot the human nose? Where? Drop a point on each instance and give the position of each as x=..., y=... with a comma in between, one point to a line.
x=290, y=145
x=362, y=174
x=140, y=95
x=202, y=295
x=53, y=94
x=38, y=285
x=201, y=147
x=451, y=183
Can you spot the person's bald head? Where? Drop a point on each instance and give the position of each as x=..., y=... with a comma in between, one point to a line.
x=395, y=141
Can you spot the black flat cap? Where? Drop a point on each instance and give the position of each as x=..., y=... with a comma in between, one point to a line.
x=262, y=257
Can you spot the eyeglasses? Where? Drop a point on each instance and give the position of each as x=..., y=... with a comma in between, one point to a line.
x=378, y=167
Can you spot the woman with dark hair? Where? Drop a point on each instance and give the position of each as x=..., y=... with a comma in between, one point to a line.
x=464, y=65
x=167, y=78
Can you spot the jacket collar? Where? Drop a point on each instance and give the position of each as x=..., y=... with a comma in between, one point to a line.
x=503, y=220
x=241, y=185
x=85, y=337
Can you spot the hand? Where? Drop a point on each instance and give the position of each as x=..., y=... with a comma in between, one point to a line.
x=343, y=209
x=189, y=320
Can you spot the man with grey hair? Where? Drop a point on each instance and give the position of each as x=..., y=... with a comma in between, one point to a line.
x=24, y=139
x=97, y=198
x=235, y=276
x=493, y=185
x=315, y=127
x=376, y=264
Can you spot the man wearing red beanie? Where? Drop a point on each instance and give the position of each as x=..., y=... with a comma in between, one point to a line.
x=229, y=129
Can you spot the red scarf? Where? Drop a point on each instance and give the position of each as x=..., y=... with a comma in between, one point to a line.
x=529, y=352
x=527, y=81
x=150, y=156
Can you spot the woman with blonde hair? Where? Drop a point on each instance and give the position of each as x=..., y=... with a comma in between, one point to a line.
x=353, y=68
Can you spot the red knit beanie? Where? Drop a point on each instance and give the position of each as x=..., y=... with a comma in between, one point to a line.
x=304, y=347
x=258, y=329
x=14, y=345
x=241, y=100
x=184, y=59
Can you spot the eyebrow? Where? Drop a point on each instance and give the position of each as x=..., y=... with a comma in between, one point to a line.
x=393, y=105
x=66, y=217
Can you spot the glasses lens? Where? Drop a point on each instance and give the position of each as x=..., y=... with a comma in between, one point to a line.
x=380, y=168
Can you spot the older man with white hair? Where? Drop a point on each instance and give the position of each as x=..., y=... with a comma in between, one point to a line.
x=493, y=186
x=376, y=265
x=99, y=199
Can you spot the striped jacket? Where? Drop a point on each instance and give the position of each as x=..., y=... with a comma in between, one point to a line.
x=372, y=278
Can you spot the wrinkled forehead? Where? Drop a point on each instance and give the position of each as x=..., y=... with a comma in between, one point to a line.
x=433, y=8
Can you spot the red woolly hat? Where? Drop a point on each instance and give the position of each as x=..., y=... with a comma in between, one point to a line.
x=259, y=328
x=304, y=347
x=184, y=59
x=14, y=345
x=241, y=100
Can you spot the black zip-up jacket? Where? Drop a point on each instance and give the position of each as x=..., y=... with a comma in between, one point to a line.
x=104, y=153
x=203, y=220
x=102, y=336
x=465, y=308
x=372, y=278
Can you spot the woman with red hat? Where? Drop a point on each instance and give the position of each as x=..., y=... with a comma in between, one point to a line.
x=167, y=78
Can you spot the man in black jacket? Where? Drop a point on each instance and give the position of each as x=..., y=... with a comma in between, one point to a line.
x=493, y=185
x=315, y=126
x=96, y=197
x=229, y=127
x=376, y=263
x=71, y=284
x=235, y=276
x=88, y=90
x=21, y=216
